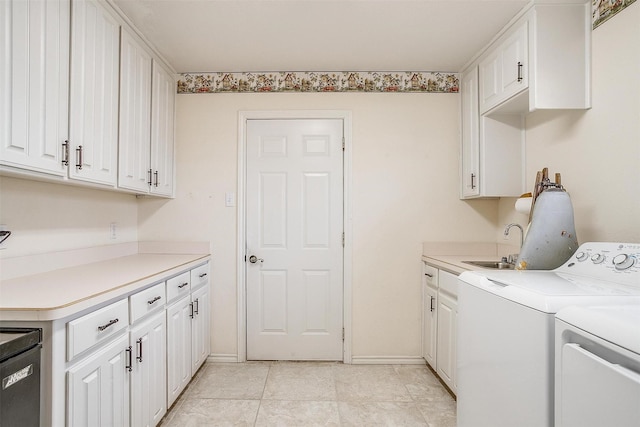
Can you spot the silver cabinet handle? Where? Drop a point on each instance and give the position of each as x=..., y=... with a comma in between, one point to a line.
x=191, y=307
x=432, y=300
x=139, y=345
x=111, y=323
x=473, y=176
x=65, y=153
x=155, y=177
x=129, y=366
x=183, y=285
x=149, y=172
x=202, y=275
x=79, y=157
x=520, y=78
x=151, y=301
x=197, y=306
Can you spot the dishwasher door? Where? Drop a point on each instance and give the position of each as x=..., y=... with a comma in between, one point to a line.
x=20, y=388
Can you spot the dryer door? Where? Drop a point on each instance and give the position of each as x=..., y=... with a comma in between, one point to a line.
x=596, y=392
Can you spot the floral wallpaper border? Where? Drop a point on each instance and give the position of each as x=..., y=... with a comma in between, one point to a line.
x=351, y=81
x=602, y=10
x=410, y=81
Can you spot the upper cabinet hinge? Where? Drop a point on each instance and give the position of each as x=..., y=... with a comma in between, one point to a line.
x=342, y=334
x=343, y=144
x=343, y=239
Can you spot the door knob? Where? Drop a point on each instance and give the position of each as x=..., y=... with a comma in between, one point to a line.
x=253, y=259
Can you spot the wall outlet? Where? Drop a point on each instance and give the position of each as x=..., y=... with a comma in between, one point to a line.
x=113, y=231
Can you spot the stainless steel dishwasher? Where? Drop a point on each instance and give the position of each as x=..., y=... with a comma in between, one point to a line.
x=20, y=375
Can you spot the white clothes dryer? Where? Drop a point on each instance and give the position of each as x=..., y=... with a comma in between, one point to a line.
x=506, y=335
x=597, y=369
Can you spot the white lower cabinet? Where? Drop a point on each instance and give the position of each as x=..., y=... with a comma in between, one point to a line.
x=430, y=314
x=178, y=348
x=200, y=327
x=148, y=377
x=446, y=347
x=129, y=375
x=188, y=331
x=439, y=329
x=98, y=387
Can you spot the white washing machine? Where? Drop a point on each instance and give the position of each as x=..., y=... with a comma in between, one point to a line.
x=597, y=376
x=506, y=335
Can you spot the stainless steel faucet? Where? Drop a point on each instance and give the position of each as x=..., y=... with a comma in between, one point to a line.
x=508, y=227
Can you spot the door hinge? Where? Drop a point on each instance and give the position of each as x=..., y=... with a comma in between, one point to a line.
x=342, y=334
x=343, y=145
x=343, y=239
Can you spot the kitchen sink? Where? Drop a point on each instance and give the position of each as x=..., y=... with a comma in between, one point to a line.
x=501, y=265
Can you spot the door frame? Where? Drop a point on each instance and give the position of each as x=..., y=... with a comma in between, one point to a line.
x=241, y=278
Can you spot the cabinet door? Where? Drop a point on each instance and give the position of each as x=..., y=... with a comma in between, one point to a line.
x=162, y=130
x=34, y=84
x=95, y=48
x=470, y=135
x=514, y=72
x=490, y=84
x=178, y=348
x=148, y=379
x=430, y=324
x=134, y=170
x=200, y=327
x=446, y=349
x=504, y=72
x=98, y=388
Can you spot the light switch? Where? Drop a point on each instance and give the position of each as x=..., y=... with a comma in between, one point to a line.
x=229, y=199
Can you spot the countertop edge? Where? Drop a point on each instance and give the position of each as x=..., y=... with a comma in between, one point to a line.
x=109, y=292
x=455, y=264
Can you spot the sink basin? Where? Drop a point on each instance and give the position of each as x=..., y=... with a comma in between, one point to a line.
x=501, y=265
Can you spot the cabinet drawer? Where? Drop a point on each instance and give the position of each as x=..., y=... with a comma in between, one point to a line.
x=431, y=276
x=199, y=276
x=178, y=286
x=448, y=283
x=92, y=328
x=147, y=301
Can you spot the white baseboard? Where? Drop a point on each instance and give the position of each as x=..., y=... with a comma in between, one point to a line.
x=222, y=358
x=356, y=360
x=387, y=360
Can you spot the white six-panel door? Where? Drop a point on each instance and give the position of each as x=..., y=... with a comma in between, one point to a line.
x=294, y=229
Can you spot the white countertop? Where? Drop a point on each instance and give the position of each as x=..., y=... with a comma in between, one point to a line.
x=449, y=256
x=60, y=293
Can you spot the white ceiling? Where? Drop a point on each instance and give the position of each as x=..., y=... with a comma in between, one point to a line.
x=319, y=35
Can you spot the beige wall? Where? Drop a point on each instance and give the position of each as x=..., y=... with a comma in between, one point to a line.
x=405, y=188
x=596, y=151
x=45, y=217
x=405, y=191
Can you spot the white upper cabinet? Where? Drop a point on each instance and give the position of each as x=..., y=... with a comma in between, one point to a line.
x=95, y=59
x=503, y=72
x=542, y=61
x=83, y=98
x=163, y=97
x=470, y=134
x=135, y=115
x=34, y=84
x=147, y=97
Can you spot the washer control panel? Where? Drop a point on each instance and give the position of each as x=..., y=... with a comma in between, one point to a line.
x=616, y=262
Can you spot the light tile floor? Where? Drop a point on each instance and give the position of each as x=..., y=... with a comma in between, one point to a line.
x=313, y=394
